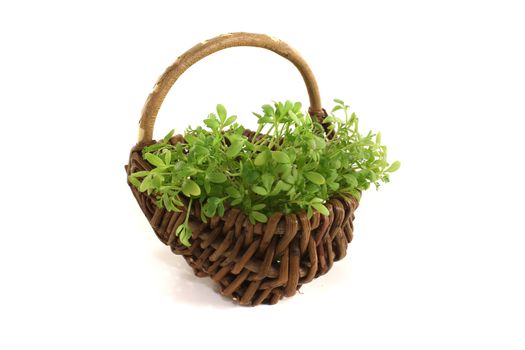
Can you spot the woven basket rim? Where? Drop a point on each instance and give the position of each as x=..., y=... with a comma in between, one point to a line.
x=351, y=201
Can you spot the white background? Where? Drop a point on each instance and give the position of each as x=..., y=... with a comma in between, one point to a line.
x=438, y=257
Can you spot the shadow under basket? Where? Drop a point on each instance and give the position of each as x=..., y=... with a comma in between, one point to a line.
x=252, y=263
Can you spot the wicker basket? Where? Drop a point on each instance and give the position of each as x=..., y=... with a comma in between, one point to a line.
x=252, y=264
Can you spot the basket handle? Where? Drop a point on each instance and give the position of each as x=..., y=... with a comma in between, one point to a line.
x=205, y=48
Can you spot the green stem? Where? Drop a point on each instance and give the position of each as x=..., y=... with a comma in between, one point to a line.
x=264, y=138
x=188, y=212
x=259, y=129
x=276, y=135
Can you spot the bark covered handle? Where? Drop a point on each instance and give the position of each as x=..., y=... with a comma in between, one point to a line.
x=206, y=48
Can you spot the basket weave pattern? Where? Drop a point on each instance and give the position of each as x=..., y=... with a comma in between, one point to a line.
x=258, y=263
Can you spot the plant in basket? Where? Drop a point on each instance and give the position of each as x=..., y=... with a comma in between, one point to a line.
x=261, y=212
